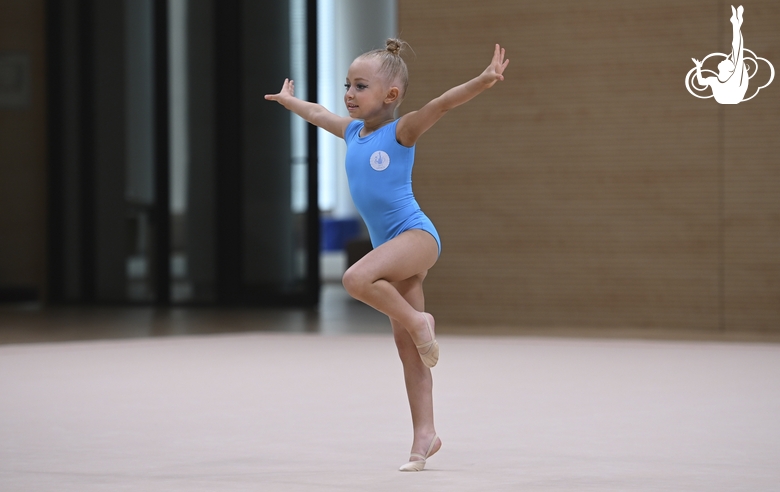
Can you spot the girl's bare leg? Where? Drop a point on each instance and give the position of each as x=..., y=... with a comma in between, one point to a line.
x=736, y=34
x=370, y=279
x=419, y=382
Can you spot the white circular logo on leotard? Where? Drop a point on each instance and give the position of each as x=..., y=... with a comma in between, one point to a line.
x=380, y=160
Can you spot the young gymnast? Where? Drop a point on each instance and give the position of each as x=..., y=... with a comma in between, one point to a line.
x=380, y=155
x=731, y=84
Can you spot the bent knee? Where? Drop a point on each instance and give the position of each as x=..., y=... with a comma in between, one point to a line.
x=355, y=281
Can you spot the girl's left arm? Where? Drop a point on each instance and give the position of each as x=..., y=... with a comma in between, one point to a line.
x=412, y=125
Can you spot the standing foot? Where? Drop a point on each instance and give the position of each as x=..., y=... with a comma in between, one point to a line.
x=417, y=461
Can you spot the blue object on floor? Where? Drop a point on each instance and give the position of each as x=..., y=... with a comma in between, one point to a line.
x=336, y=232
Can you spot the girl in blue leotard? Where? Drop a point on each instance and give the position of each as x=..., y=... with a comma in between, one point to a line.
x=380, y=155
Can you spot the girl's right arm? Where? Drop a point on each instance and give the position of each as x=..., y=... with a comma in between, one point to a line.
x=313, y=113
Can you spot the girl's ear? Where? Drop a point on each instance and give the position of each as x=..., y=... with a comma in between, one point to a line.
x=392, y=95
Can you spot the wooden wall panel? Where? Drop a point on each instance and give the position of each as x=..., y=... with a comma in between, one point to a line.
x=752, y=187
x=587, y=190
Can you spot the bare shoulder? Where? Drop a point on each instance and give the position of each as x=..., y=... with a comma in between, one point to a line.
x=343, y=124
x=415, y=123
x=405, y=132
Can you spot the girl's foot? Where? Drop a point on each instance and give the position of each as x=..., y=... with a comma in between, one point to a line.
x=736, y=15
x=417, y=461
x=425, y=341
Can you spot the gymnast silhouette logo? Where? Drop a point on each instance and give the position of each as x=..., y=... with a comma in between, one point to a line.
x=730, y=84
x=379, y=160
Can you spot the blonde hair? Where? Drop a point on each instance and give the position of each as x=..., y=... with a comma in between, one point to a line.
x=392, y=66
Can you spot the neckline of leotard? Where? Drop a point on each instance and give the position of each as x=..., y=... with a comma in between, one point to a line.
x=362, y=125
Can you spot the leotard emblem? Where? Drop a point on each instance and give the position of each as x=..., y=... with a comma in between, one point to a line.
x=379, y=160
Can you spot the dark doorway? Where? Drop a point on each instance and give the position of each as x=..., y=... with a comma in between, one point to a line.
x=172, y=180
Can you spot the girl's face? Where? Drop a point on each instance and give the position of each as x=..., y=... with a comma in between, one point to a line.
x=366, y=90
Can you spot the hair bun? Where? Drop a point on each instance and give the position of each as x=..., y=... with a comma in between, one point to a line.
x=394, y=46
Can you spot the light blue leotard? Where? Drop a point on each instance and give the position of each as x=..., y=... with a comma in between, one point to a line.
x=379, y=171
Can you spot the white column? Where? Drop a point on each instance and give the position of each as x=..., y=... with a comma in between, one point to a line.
x=346, y=28
x=177, y=78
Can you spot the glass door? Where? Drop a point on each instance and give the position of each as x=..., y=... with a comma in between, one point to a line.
x=267, y=195
x=176, y=182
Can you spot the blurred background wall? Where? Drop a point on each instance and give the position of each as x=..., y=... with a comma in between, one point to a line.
x=22, y=148
x=590, y=189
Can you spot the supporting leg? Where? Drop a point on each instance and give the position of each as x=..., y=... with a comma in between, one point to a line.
x=418, y=378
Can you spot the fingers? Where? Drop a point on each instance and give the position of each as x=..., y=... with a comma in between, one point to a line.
x=498, y=60
x=498, y=55
x=499, y=64
x=288, y=88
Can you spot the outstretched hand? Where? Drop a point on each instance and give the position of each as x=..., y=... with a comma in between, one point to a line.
x=495, y=71
x=288, y=90
x=697, y=62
